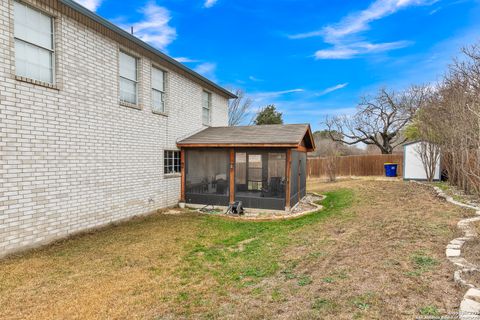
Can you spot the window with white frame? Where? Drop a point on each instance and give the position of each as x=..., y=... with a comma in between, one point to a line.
x=206, y=107
x=158, y=89
x=34, y=44
x=171, y=162
x=128, y=78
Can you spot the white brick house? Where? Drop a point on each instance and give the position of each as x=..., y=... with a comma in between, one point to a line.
x=72, y=155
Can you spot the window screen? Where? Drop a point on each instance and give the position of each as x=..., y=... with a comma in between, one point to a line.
x=34, y=53
x=206, y=107
x=260, y=174
x=207, y=172
x=128, y=78
x=171, y=161
x=241, y=168
x=254, y=172
x=158, y=89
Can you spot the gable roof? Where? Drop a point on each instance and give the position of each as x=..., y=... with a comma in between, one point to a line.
x=136, y=41
x=275, y=135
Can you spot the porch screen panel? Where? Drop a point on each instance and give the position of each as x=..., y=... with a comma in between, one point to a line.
x=241, y=171
x=207, y=172
x=255, y=179
x=303, y=173
x=294, y=179
x=276, y=175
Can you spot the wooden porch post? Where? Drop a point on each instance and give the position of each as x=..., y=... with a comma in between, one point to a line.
x=182, y=170
x=232, y=175
x=288, y=168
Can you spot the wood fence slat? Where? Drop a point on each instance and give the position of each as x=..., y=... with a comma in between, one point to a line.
x=362, y=165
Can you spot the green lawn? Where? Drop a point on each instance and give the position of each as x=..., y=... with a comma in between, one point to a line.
x=375, y=251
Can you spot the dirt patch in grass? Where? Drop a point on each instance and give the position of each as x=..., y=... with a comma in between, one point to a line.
x=472, y=278
x=376, y=251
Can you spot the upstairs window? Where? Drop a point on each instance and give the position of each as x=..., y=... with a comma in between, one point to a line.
x=34, y=53
x=206, y=107
x=128, y=78
x=158, y=90
x=171, y=161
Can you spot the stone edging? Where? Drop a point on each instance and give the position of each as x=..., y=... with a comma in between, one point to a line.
x=272, y=218
x=470, y=305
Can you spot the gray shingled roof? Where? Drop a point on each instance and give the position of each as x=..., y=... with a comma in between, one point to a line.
x=291, y=134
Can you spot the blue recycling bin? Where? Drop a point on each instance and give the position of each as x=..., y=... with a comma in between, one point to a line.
x=390, y=169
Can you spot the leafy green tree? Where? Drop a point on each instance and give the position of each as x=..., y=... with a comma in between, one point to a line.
x=268, y=115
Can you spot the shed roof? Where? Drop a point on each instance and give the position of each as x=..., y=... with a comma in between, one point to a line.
x=275, y=135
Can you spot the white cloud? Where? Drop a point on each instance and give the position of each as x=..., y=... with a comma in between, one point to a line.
x=359, y=21
x=336, y=53
x=91, y=5
x=206, y=69
x=254, y=79
x=185, y=59
x=354, y=49
x=341, y=35
x=154, y=27
x=331, y=89
x=259, y=96
x=209, y=3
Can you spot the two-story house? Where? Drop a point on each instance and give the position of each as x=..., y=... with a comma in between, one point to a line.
x=89, y=120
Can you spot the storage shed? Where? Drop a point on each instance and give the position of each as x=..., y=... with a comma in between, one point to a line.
x=262, y=166
x=412, y=163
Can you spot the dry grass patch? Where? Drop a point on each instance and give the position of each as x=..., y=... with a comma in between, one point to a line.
x=471, y=249
x=376, y=251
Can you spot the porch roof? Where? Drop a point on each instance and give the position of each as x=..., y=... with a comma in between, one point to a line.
x=276, y=135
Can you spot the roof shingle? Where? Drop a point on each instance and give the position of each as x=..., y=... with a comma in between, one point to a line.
x=282, y=134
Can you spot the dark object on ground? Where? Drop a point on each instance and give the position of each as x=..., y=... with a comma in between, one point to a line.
x=235, y=208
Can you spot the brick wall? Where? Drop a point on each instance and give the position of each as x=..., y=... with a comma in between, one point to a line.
x=73, y=158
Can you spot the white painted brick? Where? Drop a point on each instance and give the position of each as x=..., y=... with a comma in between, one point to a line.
x=74, y=158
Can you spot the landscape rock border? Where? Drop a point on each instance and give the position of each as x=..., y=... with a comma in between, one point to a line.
x=470, y=305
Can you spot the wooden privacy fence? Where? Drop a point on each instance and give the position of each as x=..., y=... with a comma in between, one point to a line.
x=364, y=165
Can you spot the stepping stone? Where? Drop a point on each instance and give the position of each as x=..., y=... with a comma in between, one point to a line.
x=469, y=309
x=457, y=242
x=452, y=252
x=454, y=246
x=473, y=294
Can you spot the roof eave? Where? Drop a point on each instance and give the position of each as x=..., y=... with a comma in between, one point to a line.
x=236, y=145
x=77, y=7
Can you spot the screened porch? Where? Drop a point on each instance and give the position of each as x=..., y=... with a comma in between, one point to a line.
x=264, y=175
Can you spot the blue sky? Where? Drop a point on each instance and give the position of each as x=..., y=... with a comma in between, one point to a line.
x=310, y=58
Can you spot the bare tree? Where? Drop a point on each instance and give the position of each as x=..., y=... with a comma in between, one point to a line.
x=429, y=154
x=424, y=128
x=454, y=119
x=379, y=120
x=238, y=108
x=332, y=152
x=323, y=144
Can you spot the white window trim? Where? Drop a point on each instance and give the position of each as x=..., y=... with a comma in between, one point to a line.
x=210, y=96
x=137, y=73
x=164, y=92
x=52, y=51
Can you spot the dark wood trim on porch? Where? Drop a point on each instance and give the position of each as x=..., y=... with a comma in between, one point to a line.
x=182, y=170
x=288, y=168
x=232, y=175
